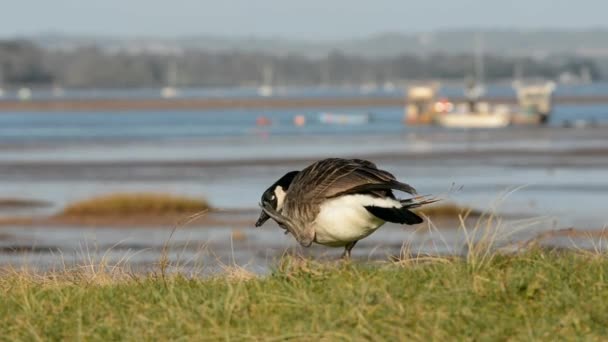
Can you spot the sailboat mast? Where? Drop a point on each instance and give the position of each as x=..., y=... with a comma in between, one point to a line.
x=268, y=75
x=172, y=73
x=1, y=82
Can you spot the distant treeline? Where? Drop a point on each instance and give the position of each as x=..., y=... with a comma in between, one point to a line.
x=24, y=63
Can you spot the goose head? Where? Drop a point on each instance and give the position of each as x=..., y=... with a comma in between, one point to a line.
x=274, y=196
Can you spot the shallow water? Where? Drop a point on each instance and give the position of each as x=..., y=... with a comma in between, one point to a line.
x=550, y=169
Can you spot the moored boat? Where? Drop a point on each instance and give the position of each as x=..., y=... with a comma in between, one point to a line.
x=344, y=119
x=474, y=120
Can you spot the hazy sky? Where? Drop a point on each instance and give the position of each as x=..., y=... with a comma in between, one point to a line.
x=311, y=19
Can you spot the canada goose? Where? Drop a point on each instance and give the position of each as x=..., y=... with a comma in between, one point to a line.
x=337, y=202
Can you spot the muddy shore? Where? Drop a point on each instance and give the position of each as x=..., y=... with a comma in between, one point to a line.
x=250, y=103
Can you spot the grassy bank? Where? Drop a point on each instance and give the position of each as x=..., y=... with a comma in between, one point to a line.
x=538, y=295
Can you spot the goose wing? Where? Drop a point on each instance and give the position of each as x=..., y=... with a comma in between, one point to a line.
x=335, y=177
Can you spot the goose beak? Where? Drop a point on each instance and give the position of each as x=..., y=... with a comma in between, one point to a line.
x=262, y=219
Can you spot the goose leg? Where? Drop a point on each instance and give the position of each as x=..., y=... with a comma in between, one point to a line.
x=347, y=249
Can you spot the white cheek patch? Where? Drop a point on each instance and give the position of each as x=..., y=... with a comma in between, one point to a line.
x=280, y=194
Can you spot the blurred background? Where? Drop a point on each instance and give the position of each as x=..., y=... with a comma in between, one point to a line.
x=171, y=107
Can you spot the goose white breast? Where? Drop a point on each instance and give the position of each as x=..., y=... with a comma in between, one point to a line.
x=344, y=219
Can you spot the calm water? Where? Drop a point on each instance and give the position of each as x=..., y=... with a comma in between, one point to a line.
x=129, y=126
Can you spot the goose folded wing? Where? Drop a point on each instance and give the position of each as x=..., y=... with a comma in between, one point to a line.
x=354, y=177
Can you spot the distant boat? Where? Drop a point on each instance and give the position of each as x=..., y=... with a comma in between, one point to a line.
x=170, y=90
x=58, y=91
x=535, y=103
x=477, y=114
x=344, y=119
x=265, y=91
x=474, y=120
x=581, y=123
x=266, y=88
x=24, y=94
x=367, y=88
x=389, y=87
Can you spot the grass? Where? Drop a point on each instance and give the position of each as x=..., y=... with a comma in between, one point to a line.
x=538, y=295
x=534, y=294
x=134, y=204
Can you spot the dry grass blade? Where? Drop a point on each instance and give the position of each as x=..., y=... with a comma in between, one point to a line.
x=164, y=261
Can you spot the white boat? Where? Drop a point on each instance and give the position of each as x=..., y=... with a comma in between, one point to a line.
x=24, y=94
x=474, y=120
x=344, y=119
x=170, y=90
x=265, y=91
x=57, y=91
x=476, y=114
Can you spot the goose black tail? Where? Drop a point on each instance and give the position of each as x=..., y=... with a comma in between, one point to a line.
x=401, y=215
x=395, y=215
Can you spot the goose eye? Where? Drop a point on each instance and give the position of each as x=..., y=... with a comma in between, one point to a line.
x=272, y=198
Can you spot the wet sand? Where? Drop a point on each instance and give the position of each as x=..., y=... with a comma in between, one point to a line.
x=583, y=157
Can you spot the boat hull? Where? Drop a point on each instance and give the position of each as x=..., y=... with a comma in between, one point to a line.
x=474, y=120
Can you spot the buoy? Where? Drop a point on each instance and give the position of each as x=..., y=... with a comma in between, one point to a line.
x=238, y=235
x=299, y=120
x=262, y=121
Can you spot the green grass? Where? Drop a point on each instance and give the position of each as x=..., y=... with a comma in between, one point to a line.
x=538, y=295
x=134, y=204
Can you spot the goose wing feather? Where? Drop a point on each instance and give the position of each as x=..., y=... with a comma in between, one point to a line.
x=335, y=177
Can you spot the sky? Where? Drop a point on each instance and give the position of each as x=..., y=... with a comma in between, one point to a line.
x=302, y=19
